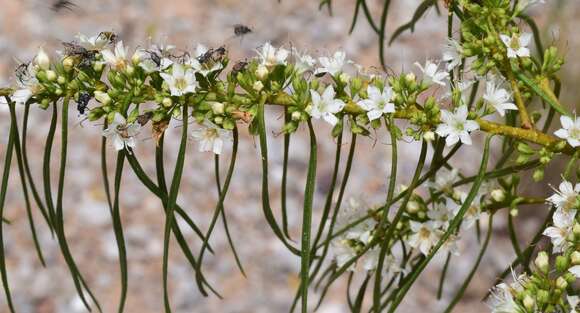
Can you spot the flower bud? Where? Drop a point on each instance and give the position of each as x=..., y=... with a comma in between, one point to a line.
x=218, y=120
x=98, y=66
x=543, y=296
x=575, y=258
x=258, y=86
x=344, y=78
x=413, y=207
x=167, y=102
x=296, y=116
x=61, y=80
x=576, y=230
x=429, y=136
x=102, y=97
x=529, y=303
x=130, y=70
x=217, y=107
x=137, y=56
x=68, y=63
x=542, y=261
x=262, y=72
x=410, y=78
x=51, y=75
x=42, y=60
x=498, y=195
x=561, y=283
x=562, y=263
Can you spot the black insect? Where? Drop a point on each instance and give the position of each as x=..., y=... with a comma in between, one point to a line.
x=109, y=36
x=205, y=57
x=218, y=53
x=60, y=5
x=83, y=102
x=22, y=73
x=155, y=57
x=85, y=56
x=241, y=30
x=238, y=67
x=144, y=118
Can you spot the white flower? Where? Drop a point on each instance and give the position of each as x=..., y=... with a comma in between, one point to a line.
x=343, y=252
x=122, y=134
x=442, y=213
x=425, y=236
x=431, y=73
x=570, y=130
x=450, y=245
x=325, y=105
x=27, y=85
x=302, y=61
x=575, y=270
x=566, y=199
x=517, y=44
x=355, y=209
x=444, y=181
x=560, y=231
x=154, y=59
x=392, y=265
x=42, y=60
x=503, y=301
x=97, y=42
x=473, y=213
x=573, y=301
x=271, y=56
x=332, y=65
x=208, y=66
x=211, y=137
x=180, y=81
x=456, y=126
x=378, y=103
x=118, y=59
x=498, y=97
x=452, y=54
x=370, y=259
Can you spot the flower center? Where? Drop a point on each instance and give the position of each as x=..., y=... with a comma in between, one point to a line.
x=211, y=133
x=574, y=132
x=180, y=83
x=424, y=233
x=515, y=43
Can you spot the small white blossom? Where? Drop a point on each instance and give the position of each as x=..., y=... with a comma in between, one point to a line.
x=502, y=300
x=370, y=259
x=343, y=252
x=121, y=133
x=456, y=126
x=570, y=130
x=325, y=106
x=96, y=42
x=425, y=236
x=450, y=246
x=566, y=199
x=211, y=137
x=332, y=65
x=206, y=67
x=271, y=56
x=452, y=54
x=442, y=213
x=154, y=59
x=559, y=232
x=498, y=97
x=575, y=270
x=355, y=209
x=302, y=61
x=473, y=213
x=444, y=181
x=181, y=81
x=378, y=103
x=517, y=44
x=117, y=59
x=431, y=73
x=27, y=85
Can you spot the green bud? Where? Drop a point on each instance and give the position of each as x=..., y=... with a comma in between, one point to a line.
x=538, y=174
x=561, y=283
x=562, y=263
x=542, y=261
x=167, y=102
x=575, y=258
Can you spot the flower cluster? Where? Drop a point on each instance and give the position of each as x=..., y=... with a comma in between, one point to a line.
x=551, y=287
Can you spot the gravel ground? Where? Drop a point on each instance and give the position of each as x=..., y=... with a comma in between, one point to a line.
x=271, y=270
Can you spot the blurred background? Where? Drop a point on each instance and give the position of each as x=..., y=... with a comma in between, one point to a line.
x=271, y=271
